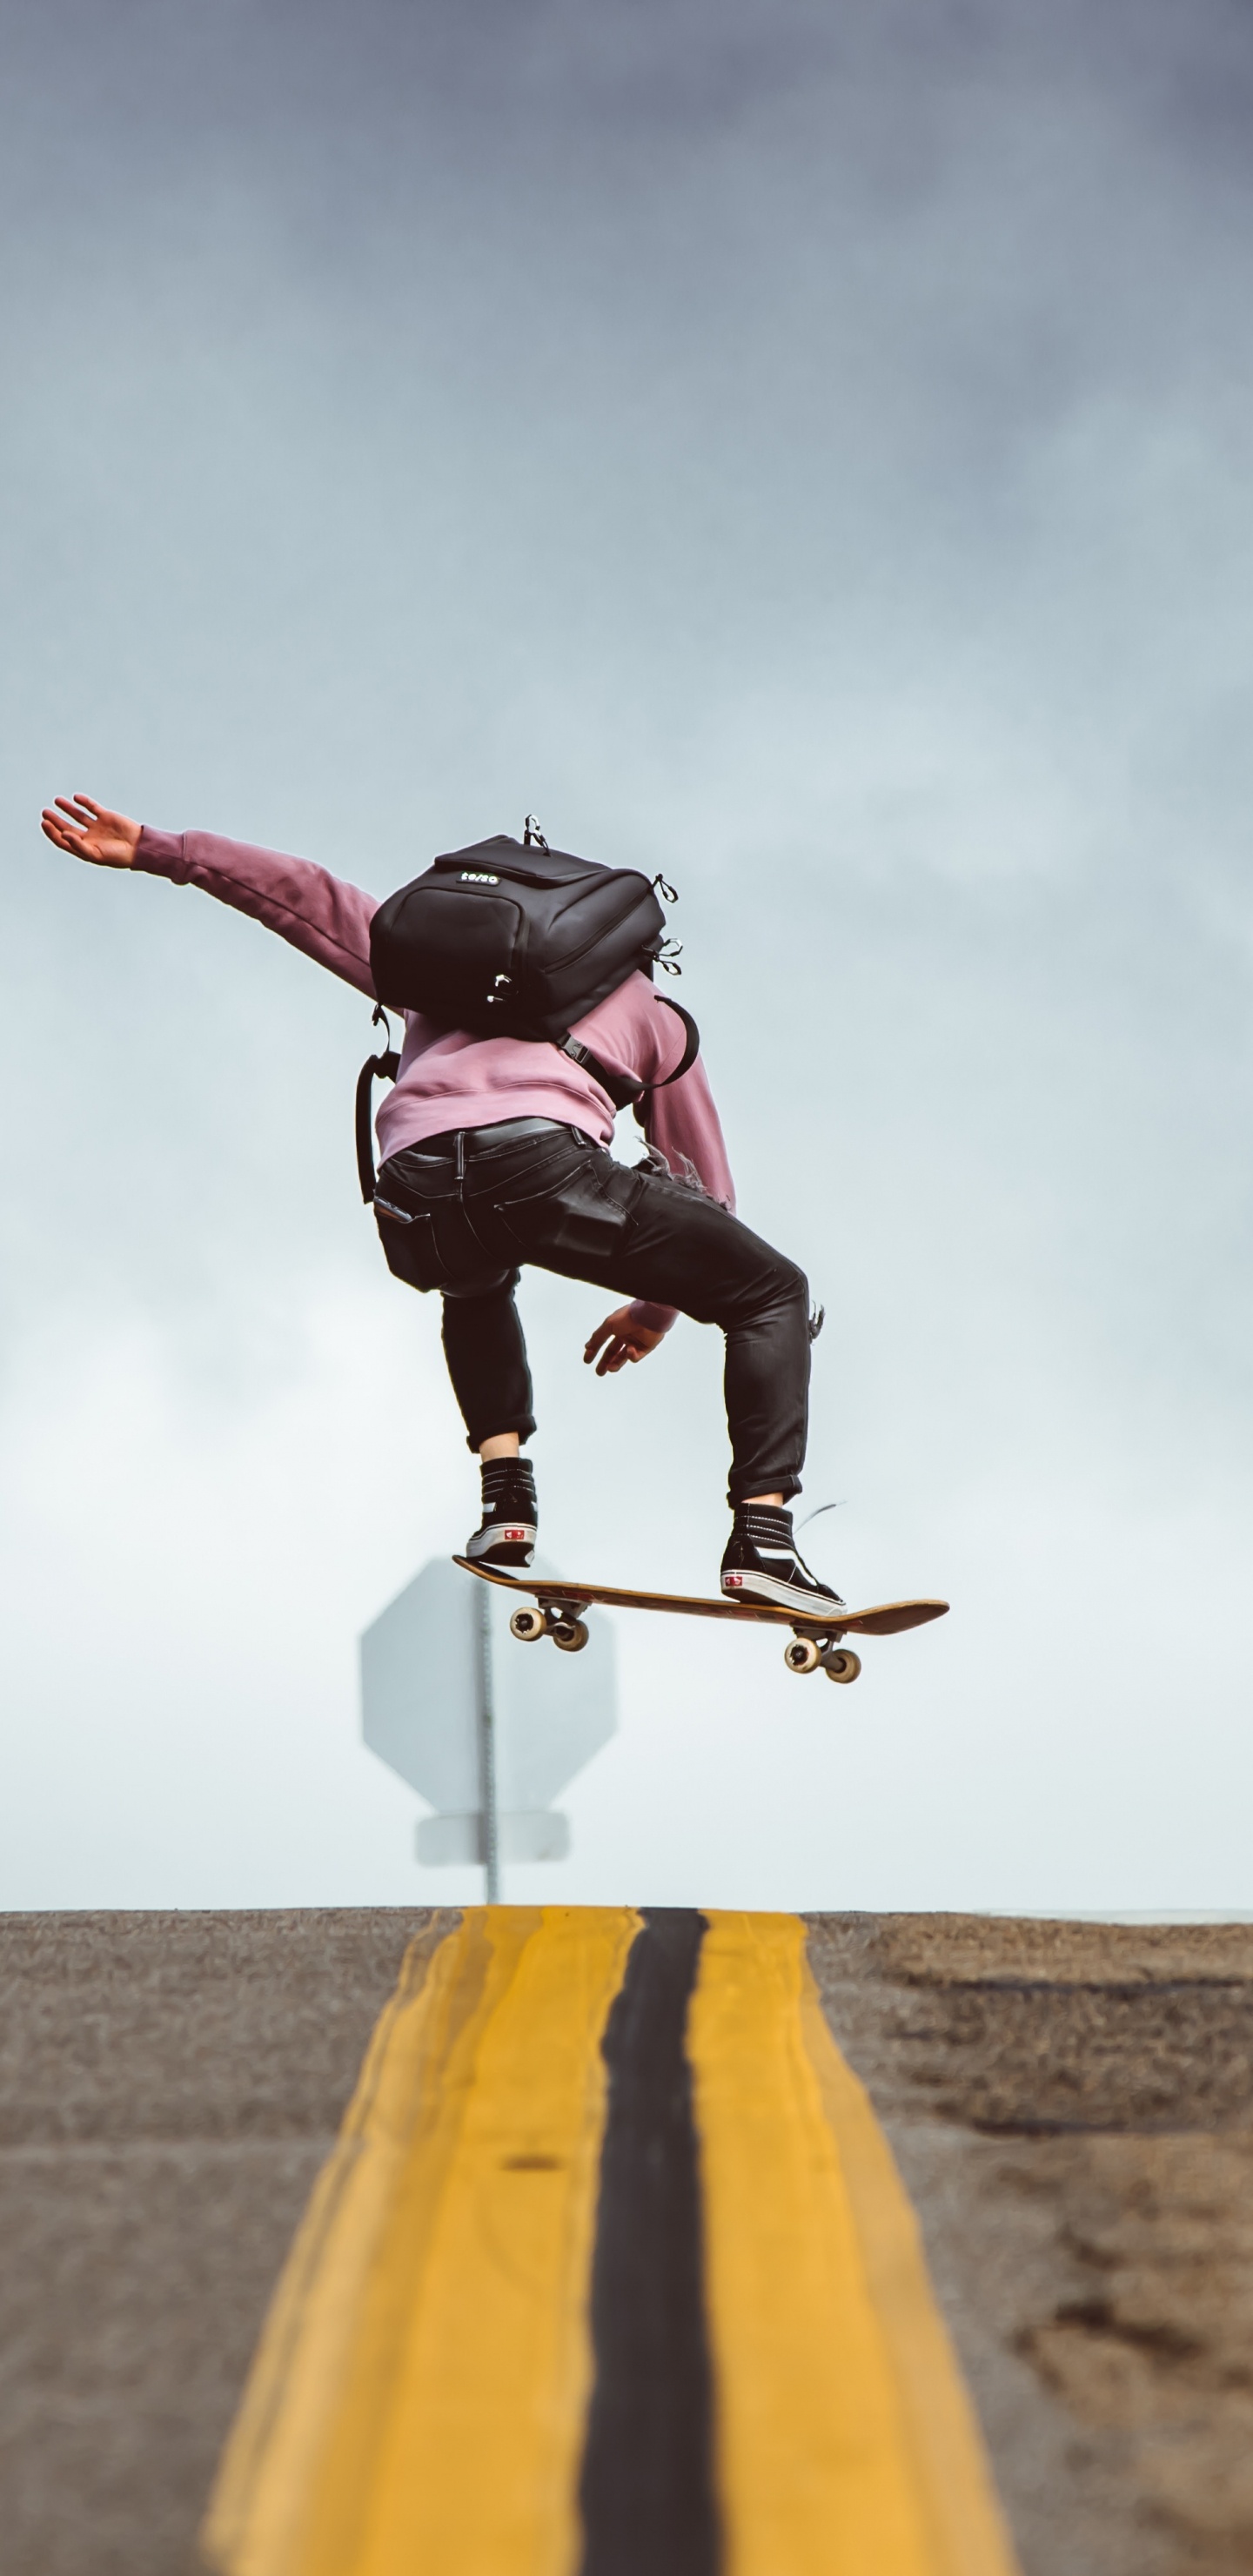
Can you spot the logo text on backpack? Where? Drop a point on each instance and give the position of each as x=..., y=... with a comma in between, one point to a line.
x=477, y=876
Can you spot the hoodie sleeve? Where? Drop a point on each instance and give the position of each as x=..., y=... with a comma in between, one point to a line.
x=686, y=1131
x=317, y=912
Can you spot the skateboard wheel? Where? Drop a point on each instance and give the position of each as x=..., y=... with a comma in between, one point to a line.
x=569, y=1634
x=841, y=1664
x=802, y=1656
x=527, y=1625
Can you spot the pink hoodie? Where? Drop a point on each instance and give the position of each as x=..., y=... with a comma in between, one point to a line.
x=448, y=1078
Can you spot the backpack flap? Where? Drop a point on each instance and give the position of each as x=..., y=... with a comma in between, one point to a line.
x=509, y=940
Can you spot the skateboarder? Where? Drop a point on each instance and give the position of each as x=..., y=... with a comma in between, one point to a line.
x=494, y=1156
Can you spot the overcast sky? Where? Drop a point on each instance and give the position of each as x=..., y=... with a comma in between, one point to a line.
x=806, y=447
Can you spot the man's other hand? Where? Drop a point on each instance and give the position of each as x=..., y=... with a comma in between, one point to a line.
x=623, y=1339
x=90, y=831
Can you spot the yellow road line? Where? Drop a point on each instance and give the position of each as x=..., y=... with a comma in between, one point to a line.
x=418, y=2400
x=846, y=2445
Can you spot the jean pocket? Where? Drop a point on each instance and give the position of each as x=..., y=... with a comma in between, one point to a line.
x=585, y=1219
x=408, y=1240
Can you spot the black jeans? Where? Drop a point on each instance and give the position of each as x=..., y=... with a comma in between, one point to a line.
x=462, y=1212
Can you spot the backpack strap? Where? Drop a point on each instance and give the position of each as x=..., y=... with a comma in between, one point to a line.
x=622, y=1089
x=625, y=1092
x=690, y=1051
x=688, y=1057
x=377, y=1068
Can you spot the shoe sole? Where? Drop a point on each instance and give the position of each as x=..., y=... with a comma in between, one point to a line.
x=510, y=1546
x=785, y=1596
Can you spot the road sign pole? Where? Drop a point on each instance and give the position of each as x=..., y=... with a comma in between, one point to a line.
x=487, y=1740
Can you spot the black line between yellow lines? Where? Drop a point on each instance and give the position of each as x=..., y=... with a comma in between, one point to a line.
x=647, y=2487
x=611, y=2269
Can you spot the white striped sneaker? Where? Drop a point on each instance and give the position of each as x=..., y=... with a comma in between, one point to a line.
x=506, y=1535
x=761, y=1562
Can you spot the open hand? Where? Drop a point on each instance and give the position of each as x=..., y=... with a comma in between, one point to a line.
x=91, y=831
x=624, y=1339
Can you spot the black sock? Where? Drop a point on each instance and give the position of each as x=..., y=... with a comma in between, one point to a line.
x=763, y=1524
x=507, y=1477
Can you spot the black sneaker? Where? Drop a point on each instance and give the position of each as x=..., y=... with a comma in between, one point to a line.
x=505, y=1537
x=761, y=1562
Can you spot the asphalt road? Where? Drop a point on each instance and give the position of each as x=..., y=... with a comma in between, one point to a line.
x=1071, y=2107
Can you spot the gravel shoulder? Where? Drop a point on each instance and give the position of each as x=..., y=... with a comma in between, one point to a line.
x=169, y=2086
x=1071, y=2107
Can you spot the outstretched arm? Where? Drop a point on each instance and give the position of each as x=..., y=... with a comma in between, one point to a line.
x=318, y=913
x=92, y=832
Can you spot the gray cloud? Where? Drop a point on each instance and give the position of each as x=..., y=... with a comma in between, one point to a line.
x=807, y=447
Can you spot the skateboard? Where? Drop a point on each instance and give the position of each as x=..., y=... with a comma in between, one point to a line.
x=815, y=1642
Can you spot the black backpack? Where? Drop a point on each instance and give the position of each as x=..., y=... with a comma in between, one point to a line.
x=511, y=939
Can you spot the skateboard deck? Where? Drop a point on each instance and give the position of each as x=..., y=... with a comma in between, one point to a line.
x=560, y=1603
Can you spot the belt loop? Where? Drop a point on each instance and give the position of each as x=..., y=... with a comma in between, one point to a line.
x=461, y=1153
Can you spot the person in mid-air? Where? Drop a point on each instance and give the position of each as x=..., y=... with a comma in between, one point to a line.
x=494, y=1156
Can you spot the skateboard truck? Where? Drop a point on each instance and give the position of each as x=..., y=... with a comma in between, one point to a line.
x=807, y=1652
x=555, y=1620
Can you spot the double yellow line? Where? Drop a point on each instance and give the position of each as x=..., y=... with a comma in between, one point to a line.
x=419, y=2402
